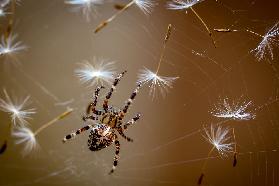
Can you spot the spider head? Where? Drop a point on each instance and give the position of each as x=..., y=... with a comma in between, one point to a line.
x=110, y=118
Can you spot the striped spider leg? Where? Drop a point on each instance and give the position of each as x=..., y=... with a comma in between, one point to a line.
x=79, y=131
x=114, y=84
x=124, y=111
x=116, y=155
x=92, y=106
x=130, y=122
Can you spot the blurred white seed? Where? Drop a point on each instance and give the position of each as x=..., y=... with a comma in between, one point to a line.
x=87, y=7
x=182, y=4
x=17, y=109
x=155, y=82
x=99, y=71
x=9, y=45
x=236, y=110
x=269, y=41
x=221, y=140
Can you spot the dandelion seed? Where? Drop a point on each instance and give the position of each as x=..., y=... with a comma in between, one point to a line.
x=145, y=5
x=155, y=81
x=25, y=136
x=267, y=44
x=184, y=5
x=235, y=111
x=8, y=46
x=19, y=115
x=219, y=138
x=146, y=76
x=3, y=147
x=85, y=6
x=200, y=179
x=234, y=159
x=97, y=73
x=269, y=41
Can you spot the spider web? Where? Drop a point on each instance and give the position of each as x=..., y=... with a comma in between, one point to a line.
x=169, y=148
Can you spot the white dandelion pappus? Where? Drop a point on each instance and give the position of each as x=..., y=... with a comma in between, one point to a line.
x=18, y=114
x=145, y=5
x=265, y=47
x=163, y=83
x=235, y=111
x=3, y=12
x=4, y=3
x=182, y=4
x=97, y=73
x=9, y=46
x=25, y=136
x=220, y=139
x=85, y=6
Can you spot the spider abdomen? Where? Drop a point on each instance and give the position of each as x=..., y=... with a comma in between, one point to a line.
x=100, y=137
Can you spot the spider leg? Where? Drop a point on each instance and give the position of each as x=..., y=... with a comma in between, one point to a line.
x=84, y=118
x=92, y=105
x=131, y=121
x=79, y=131
x=129, y=102
x=116, y=156
x=114, y=84
x=121, y=132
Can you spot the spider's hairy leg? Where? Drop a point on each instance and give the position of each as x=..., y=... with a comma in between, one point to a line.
x=132, y=121
x=92, y=105
x=121, y=132
x=129, y=102
x=84, y=118
x=114, y=84
x=116, y=156
x=79, y=131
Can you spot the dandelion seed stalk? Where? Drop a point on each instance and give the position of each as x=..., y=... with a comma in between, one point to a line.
x=106, y=22
x=188, y=4
x=205, y=25
x=204, y=166
x=220, y=140
x=224, y=30
x=235, y=150
x=167, y=37
x=11, y=20
x=155, y=80
x=61, y=116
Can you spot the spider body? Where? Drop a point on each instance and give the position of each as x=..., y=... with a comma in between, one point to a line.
x=108, y=121
x=101, y=136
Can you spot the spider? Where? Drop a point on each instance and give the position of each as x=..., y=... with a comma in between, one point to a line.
x=107, y=121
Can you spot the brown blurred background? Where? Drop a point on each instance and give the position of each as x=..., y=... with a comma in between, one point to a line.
x=58, y=39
